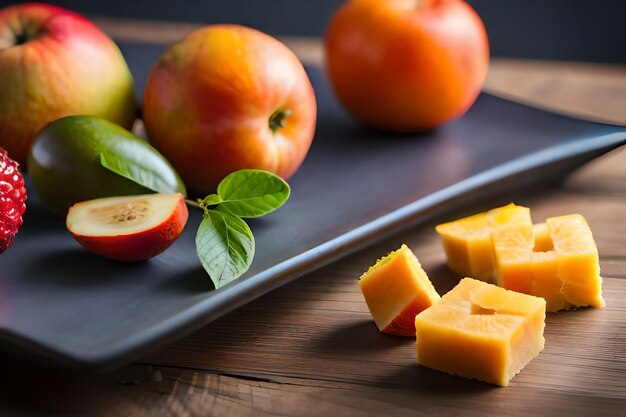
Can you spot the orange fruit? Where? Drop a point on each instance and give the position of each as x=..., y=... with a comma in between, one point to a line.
x=406, y=65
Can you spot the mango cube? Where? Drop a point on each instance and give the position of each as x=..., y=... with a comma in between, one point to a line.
x=396, y=289
x=481, y=331
x=556, y=260
x=543, y=241
x=513, y=242
x=567, y=273
x=469, y=247
x=577, y=260
x=546, y=281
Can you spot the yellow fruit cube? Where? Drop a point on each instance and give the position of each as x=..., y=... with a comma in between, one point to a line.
x=513, y=243
x=396, y=289
x=468, y=246
x=556, y=260
x=546, y=281
x=481, y=331
x=577, y=260
x=543, y=241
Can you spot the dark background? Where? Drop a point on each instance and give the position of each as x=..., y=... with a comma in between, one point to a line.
x=543, y=29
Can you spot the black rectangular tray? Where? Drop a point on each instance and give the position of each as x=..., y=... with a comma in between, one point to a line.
x=66, y=306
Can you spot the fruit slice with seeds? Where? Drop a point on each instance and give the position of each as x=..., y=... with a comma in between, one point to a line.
x=12, y=200
x=129, y=228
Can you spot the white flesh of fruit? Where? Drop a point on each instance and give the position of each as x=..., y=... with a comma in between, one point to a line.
x=115, y=216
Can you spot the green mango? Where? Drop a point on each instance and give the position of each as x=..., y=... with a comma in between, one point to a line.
x=69, y=158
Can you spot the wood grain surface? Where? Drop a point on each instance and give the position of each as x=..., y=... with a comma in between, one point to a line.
x=311, y=349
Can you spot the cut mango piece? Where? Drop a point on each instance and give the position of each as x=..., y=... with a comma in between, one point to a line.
x=469, y=247
x=577, y=260
x=513, y=242
x=527, y=259
x=546, y=281
x=481, y=331
x=396, y=289
x=543, y=241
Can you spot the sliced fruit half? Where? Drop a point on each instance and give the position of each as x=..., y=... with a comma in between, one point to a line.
x=129, y=228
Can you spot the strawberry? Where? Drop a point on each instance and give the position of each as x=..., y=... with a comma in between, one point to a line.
x=12, y=200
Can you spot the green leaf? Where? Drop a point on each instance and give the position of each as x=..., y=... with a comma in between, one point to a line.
x=160, y=178
x=252, y=193
x=211, y=200
x=225, y=246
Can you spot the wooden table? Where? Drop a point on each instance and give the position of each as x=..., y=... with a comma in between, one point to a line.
x=311, y=349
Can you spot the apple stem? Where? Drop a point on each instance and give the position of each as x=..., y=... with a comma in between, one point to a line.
x=20, y=38
x=277, y=119
x=23, y=32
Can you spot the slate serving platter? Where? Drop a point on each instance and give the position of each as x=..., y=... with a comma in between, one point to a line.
x=67, y=307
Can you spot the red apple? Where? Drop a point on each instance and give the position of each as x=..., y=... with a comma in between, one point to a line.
x=226, y=98
x=129, y=228
x=55, y=63
x=406, y=65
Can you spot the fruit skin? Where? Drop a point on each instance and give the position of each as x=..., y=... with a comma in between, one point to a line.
x=65, y=167
x=209, y=100
x=138, y=246
x=406, y=65
x=12, y=200
x=66, y=66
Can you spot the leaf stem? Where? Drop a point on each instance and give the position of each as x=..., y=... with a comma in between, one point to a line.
x=194, y=203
